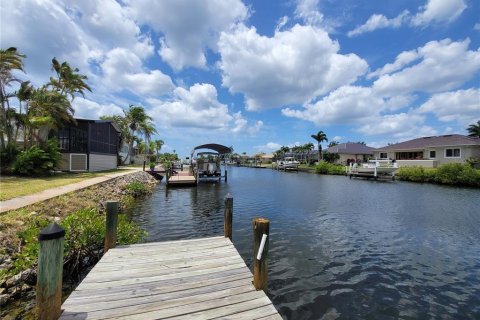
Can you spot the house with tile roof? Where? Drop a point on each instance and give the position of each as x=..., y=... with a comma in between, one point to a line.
x=431, y=152
x=351, y=151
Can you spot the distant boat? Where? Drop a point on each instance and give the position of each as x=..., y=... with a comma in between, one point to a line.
x=288, y=163
x=373, y=169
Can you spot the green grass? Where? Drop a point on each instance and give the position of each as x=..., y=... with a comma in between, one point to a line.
x=13, y=186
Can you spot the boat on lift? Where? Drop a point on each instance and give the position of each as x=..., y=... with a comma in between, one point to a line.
x=373, y=169
x=288, y=163
x=207, y=165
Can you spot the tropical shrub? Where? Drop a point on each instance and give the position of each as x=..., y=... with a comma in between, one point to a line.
x=38, y=160
x=451, y=173
x=458, y=173
x=84, y=239
x=330, y=157
x=329, y=168
x=7, y=156
x=416, y=174
x=137, y=189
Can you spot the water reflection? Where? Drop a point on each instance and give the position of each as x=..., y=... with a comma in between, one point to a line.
x=341, y=248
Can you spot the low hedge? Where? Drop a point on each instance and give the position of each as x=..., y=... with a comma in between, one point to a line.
x=329, y=168
x=450, y=173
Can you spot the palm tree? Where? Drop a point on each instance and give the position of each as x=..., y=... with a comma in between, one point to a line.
x=23, y=94
x=158, y=146
x=48, y=109
x=68, y=80
x=148, y=129
x=284, y=150
x=136, y=117
x=320, y=137
x=308, y=148
x=10, y=60
x=474, y=129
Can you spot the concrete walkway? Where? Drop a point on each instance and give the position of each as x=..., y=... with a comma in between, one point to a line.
x=20, y=202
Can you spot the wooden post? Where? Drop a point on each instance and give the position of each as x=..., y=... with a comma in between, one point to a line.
x=228, y=215
x=111, y=225
x=261, y=226
x=226, y=174
x=50, y=272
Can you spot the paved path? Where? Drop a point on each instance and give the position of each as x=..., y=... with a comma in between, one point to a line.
x=187, y=279
x=20, y=202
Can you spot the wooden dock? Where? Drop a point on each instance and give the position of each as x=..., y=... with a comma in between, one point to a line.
x=187, y=279
x=182, y=178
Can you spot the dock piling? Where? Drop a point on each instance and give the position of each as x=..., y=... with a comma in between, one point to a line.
x=228, y=215
x=261, y=227
x=50, y=272
x=111, y=225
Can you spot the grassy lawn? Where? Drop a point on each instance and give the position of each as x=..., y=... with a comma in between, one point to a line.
x=12, y=187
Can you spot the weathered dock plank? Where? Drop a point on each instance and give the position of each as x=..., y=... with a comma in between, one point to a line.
x=187, y=279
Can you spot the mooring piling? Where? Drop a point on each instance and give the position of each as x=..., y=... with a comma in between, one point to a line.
x=228, y=216
x=111, y=225
x=50, y=272
x=261, y=231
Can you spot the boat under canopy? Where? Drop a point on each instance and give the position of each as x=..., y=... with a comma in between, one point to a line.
x=207, y=165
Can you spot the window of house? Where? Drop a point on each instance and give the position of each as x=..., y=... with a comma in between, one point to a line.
x=413, y=155
x=433, y=154
x=452, y=153
x=383, y=155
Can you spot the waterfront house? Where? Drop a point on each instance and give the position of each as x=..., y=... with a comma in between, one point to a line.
x=351, y=152
x=89, y=145
x=431, y=152
x=266, y=158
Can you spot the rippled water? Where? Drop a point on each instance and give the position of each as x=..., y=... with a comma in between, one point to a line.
x=341, y=248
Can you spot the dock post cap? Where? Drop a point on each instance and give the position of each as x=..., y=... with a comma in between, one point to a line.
x=228, y=196
x=261, y=220
x=111, y=203
x=50, y=232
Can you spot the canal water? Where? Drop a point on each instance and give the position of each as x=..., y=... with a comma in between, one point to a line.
x=340, y=248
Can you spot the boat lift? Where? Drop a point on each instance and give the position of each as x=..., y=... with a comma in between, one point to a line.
x=207, y=166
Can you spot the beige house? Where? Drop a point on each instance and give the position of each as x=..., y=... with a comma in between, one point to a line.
x=431, y=152
x=351, y=152
x=266, y=158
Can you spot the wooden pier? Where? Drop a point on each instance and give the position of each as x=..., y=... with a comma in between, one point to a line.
x=187, y=279
x=181, y=178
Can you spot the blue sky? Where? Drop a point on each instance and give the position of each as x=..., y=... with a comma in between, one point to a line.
x=257, y=75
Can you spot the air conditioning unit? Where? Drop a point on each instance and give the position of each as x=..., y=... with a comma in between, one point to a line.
x=78, y=162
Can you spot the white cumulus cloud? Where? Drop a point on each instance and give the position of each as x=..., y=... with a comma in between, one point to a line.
x=462, y=106
x=433, y=12
x=399, y=127
x=123, y=70
x=379, y=21
x=345, y=105
x=291, y=67
x=439, y=11
x=188, y=27
x=198, y=108
x=443, y=65
x=88, y=109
